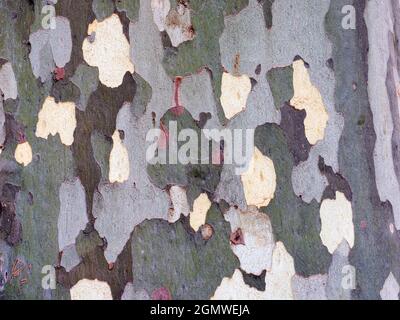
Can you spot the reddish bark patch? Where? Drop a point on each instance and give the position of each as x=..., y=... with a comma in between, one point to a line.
x=59, y=73
x=363, y=225
x=237, y=237
x=161, y=294
x=21, y=138
x=177, y=110
x=164, y=137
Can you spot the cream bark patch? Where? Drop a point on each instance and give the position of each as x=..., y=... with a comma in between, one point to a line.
x=179, y=26
x=86, y=289
x=307, y=97
x=236, y=289
x=119, y=160
x=234, y=93
x=23, y=153
x=176, y=22
x=199, y=214
x=108, y=49
x=255, y=254
x=57, y=118
x=259, y=181
x=278, y=282
x=337, y=222
x=160, y=10
x=179, y=203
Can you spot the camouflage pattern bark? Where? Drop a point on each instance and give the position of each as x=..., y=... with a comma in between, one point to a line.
x=79, y=196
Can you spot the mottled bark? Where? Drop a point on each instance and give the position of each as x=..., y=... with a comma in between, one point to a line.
x=320, y=219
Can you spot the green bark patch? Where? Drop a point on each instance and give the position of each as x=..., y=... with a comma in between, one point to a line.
x=235, y=6
x=207, y=18
x=131, y=7
x=267, y=9
x=294, y=222
x=37, y=202
x=280, y=81
x=196, y=177
x=174, y=257
x=103, y=8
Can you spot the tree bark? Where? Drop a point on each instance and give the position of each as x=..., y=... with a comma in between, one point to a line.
x=76, y=96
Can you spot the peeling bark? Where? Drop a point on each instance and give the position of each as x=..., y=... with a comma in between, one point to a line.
x=316, y=196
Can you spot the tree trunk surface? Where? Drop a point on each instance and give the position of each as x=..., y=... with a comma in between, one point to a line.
x=306, y=93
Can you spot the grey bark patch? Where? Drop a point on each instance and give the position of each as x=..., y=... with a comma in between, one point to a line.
x=197, y=96
x=73, y=216
x=8, y=83
x=147, y=55
x=391, y=288
x=50, y=48
x=393, y=90
x=334, y=287
x=131, y=292
x=61, y=41
x=41, y=56
x=2, y=124
x=379, y=26
x=70, y=257
x=119, y=207
x=308, y=182
x=312, y=288
x=195, y=266
x=5, y=265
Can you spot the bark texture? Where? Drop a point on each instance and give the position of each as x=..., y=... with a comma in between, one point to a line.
x=315, y=215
